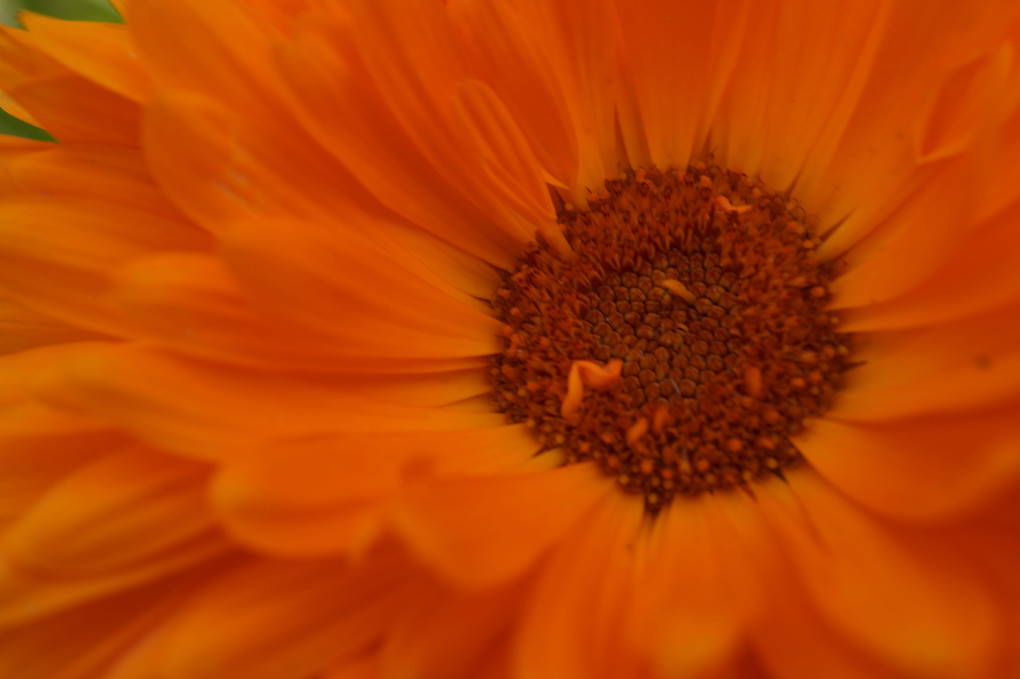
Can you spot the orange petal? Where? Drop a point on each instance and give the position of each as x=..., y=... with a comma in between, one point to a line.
x=887, y=112
x=22, y=328
x=91, y=172
x=330, y=495
x=449, y=634
x=188, y=144
x=233, y=66
x=209, y=411
x=59, y=254
x=28, y=596
x=40, y=446
x=411, y=51
x=529, y=512
x=793, y=640
x=573, y=623
x=958, y=367
x=502, y=155
x=299, y=618
x=504, y=48
x=922, y=616
x=979, y=275
x=923, y=468
x=21, y=372
x=100, y=52
x=968, y=103
x=691, y=609
x=18, y=111
x=82, y=643
x=918, y=238
x=344, y=468
x=347, y=287
x=578, y=43
x=192, y=303
x=364, y=667
x=122, y=509
x=219, y=166
x=677, y=63
x=798, y=75
x=112, y=522
x=990, y=544
x=68, y=106
x=437, y=192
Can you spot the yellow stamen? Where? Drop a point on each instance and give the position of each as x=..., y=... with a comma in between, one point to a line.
x=679, y=289
x=586, y=374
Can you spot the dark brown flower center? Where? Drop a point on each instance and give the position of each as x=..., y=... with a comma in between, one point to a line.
x=682, y=342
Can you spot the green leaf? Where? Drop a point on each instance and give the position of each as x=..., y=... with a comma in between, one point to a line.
x=75, y=10
x=14, y=127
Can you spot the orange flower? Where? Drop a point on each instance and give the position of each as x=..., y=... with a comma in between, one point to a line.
x=514, y=338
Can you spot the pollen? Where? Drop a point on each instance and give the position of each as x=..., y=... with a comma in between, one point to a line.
x=683, y=339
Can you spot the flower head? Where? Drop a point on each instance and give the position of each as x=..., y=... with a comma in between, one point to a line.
x=515, y=338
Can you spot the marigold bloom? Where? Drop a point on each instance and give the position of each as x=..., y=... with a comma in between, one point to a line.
x=526, y=339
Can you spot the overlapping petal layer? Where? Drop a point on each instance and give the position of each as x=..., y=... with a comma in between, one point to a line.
x=244, y=426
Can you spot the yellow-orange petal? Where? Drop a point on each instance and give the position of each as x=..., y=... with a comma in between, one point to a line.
x=916, y=614
x=924, y=468
x=529, y=513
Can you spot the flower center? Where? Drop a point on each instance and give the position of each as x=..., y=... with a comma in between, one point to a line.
x=682, y=342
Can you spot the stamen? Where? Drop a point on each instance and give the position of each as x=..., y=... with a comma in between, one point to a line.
x=724, y=204
x=679, y=289
x=582, y=374
x=680, y=338
x=636, y=431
